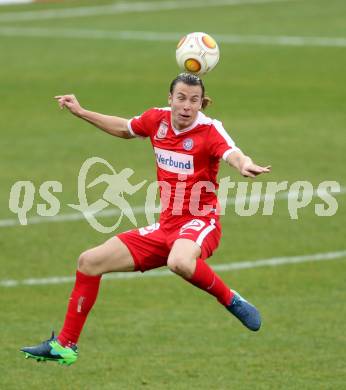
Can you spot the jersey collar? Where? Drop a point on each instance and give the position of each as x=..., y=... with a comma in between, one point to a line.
x=183, y=131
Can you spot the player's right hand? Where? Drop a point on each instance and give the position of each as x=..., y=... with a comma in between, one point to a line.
x=69, y=101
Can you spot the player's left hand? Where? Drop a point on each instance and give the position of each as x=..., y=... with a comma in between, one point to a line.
x=249, y=169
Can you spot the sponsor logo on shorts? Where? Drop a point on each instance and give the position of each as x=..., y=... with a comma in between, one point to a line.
x=149, y=229
x=174, y=162
x=195, y=224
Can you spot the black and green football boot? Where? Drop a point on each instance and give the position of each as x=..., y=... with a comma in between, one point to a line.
x=52, y=350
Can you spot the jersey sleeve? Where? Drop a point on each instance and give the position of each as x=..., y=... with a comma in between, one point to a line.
x=140, y=126
x=221, y=145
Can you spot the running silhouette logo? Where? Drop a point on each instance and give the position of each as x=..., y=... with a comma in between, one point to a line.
x=117, y=185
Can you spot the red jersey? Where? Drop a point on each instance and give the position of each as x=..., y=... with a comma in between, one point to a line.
x=187, y=160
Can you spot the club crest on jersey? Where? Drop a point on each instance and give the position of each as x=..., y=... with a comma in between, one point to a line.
x=188, y=144
x=162, y=130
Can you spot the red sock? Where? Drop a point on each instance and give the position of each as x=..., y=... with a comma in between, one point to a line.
x=82, y=299
x=206, y=279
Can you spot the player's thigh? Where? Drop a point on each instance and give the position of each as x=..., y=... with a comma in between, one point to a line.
x=111, y=256
x=182, y=257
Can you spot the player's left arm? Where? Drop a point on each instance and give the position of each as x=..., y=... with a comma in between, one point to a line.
x=245, y=165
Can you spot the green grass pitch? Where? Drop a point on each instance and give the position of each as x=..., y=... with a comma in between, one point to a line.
x=284, y=106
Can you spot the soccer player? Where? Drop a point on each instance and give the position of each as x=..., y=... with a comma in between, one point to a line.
x=188, y=146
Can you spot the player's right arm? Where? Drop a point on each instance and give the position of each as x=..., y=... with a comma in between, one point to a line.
x=113, y=125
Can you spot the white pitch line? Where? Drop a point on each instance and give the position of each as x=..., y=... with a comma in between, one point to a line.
x=272, y=262
x=281, y=40
x=138, y=210
x=12, y=2
x=122, y=8
x=152, y=36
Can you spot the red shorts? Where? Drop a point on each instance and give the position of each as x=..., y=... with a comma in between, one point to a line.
x=150, y=246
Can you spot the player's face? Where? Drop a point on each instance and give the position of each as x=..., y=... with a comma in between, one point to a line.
x=185, y=102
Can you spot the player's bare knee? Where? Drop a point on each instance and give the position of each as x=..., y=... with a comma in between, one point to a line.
x=180, y=266
x=87, y=262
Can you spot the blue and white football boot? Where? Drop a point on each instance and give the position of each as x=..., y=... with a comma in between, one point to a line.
x=246, y=313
